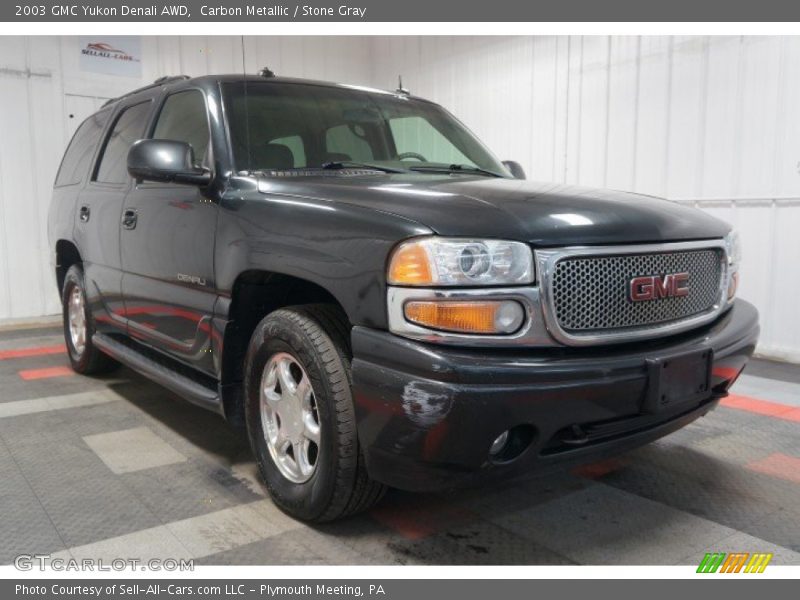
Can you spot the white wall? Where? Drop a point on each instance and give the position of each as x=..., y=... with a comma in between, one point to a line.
x=710, y=121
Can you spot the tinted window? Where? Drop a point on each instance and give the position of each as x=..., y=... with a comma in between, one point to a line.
x=295, y=145
x=343, y=142
x=75, y=163
x=183, y=118
x=344, y=123
x=128, y=128
x=416, y=136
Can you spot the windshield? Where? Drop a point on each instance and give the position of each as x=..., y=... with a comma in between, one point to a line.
x=297, y=126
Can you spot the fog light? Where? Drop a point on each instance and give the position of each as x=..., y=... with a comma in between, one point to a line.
x=462, y=316
x=499, y=444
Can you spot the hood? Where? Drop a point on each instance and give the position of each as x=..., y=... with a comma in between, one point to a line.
x=544, y=214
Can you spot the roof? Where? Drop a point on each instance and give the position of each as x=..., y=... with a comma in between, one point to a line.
x=242, y=77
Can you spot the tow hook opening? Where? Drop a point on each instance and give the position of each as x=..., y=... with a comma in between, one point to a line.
x=511, y=443
x=574, y=436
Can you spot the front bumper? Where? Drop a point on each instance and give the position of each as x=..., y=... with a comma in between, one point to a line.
x=428, y=414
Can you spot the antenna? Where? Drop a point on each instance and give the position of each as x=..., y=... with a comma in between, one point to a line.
x=400, y=89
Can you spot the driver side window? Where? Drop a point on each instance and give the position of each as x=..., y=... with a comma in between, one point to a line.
x=417, y=136
x=183, y=118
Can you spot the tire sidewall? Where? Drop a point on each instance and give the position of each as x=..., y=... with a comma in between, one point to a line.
x=306, y=500
x=74, y=278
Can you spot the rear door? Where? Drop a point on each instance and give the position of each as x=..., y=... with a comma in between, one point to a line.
x=85, y=138
x=98, y=213
x=168, y=246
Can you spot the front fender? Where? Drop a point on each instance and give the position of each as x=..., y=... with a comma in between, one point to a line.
x=340, y=247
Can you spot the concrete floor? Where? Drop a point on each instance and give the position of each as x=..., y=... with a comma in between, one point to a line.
x=119, y=467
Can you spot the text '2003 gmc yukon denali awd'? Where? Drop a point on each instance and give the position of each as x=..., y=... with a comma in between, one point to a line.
x=355, y=277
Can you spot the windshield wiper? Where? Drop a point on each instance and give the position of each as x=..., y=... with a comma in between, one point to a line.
x=457, y=168
x=350, y=164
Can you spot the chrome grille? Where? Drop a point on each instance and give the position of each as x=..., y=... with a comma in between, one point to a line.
x=590, y=292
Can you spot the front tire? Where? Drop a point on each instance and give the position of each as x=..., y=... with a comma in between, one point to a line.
x=300, y=416
x=84, y=357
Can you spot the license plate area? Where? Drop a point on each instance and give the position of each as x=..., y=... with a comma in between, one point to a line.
x=677, y=380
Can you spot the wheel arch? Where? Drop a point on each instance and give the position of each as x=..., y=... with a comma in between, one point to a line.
x=67, y=255
x=255, y=294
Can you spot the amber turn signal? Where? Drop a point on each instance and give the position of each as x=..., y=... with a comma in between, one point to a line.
x=486, y=317
x=410, y=266
x=733, y=285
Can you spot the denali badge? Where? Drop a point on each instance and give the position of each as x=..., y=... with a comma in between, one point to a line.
x=653, y=287
x=191, y=279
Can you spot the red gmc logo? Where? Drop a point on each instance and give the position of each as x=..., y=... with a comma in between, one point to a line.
x=654, y=287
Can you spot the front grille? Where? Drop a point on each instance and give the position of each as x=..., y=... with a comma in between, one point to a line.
x=590, y=293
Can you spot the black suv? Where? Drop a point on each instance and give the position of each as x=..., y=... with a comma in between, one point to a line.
x=352, y=275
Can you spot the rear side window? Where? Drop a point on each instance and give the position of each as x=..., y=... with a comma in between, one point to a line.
x=75, y=163
x=128, y=128
x=183, y=118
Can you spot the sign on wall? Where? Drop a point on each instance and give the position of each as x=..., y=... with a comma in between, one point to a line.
x=112, y=55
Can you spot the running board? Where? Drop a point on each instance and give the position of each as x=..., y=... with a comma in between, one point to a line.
x=184, y=386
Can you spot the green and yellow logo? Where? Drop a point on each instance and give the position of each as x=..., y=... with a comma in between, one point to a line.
x=735, y=562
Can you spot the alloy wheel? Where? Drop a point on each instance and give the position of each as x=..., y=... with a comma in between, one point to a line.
x=289, y=417
x=76, y=315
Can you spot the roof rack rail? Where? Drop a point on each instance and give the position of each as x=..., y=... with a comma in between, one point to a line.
x=160, y=81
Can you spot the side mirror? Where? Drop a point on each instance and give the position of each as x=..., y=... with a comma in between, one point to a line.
x=166, y=161
x=515, y=168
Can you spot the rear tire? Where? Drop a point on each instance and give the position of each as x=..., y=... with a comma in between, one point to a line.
x=311, y=344
x=79, y=328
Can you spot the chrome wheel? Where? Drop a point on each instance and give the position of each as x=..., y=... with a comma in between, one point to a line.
x=76, y=315
x=289, y=417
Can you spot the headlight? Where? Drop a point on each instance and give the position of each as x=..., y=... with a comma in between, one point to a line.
x=733, y=248
x=436, y=261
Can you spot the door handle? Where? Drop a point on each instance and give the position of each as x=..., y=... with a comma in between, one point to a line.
x=84, y=213
x=129, y=218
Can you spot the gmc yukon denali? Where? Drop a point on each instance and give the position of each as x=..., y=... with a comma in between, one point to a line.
x=350, y=275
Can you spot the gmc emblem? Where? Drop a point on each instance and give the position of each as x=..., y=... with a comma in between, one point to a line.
x=654, y=287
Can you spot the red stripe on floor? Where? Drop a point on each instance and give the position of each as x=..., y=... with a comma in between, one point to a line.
x=778, y=465
x=763, y=407
x=37, y=351
x=31, y=374
x=601, y=468
x=416, y=523
x=726, y=372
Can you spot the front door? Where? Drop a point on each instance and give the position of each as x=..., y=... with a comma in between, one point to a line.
x=167, y=242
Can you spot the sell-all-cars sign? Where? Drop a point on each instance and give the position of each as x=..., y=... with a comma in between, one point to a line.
x=112, y=55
